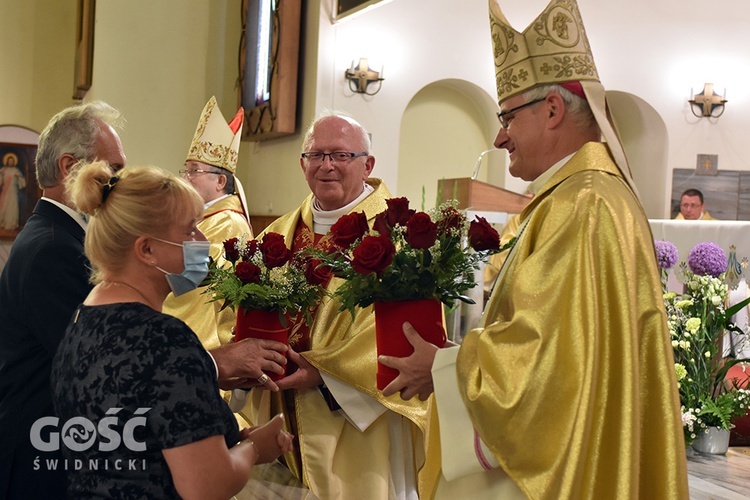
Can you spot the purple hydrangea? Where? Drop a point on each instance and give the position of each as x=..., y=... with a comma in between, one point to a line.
x=707, y=259
x=666, y=254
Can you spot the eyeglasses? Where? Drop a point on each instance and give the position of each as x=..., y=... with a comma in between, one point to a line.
x=506, y=116
x=315, y=157
x=195, y=171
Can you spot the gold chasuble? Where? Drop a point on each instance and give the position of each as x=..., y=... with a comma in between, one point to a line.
x=221, y=221
x=333, y=457
x=571, y=380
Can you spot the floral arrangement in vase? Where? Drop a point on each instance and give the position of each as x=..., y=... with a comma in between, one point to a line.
x=406, y=266
x=267, y=284
x=697, y=320
x=408, y=255
x=265, y=275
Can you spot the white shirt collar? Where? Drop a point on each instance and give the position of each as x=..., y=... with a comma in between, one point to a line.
x=540, y=181
x=79, y=218
x=324, y=219
x=205, y=207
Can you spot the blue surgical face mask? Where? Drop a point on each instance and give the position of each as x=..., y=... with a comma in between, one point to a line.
x=195, y=257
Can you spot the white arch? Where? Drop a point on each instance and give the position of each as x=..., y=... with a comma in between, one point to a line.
x=646, y=142
x=445, y=126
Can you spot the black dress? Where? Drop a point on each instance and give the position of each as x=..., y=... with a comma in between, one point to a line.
x=128, y=382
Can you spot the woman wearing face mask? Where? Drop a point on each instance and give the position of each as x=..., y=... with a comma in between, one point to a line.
x=124, y=370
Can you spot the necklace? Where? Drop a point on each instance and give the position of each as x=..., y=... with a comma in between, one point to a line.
x=121, y=283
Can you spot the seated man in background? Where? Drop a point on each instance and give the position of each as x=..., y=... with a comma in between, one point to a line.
x=691, y=206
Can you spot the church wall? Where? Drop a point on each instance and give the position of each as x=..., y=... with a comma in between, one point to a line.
x=159, y=62
x=654, y=50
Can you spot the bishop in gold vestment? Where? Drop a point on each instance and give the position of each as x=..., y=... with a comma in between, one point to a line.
x=568, y=386
x=570, y=381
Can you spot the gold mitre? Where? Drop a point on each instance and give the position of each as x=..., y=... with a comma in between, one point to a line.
x=215, y=142
x=553, y=49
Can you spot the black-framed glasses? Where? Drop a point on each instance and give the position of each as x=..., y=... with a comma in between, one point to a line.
x=506, y=116
x=315, y=157
x=196, y=171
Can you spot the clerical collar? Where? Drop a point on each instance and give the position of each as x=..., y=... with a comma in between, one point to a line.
x=205, y=207
x=324, y=219
x=79, y=218
x=540, y=181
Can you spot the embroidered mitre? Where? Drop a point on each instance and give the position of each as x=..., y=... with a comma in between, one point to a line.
x=215, y=142
x=553, y=49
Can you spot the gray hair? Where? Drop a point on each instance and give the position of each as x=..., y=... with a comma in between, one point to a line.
x=578, y=108
x=75, y=131
x=365, y=142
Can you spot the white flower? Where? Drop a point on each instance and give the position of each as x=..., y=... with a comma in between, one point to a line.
x=693, y=324
x=716, y=300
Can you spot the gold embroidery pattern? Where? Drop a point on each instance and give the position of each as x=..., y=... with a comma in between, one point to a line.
x=214, y=154
x=553, y=49
x=203, y=120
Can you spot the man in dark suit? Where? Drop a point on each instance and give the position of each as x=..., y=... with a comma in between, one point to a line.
x=45, y=278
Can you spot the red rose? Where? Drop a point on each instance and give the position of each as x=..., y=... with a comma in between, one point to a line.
x=398, y=212
x=373, y=255
x=247, y=272
x=421, y=232
x=317, y=274
x=349, y=228
x=381, y=224
x=450, y=218
x=482, y=236
x=274, y=250
x=230, y=249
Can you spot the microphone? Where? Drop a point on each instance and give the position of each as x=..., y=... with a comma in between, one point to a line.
x=479, y=161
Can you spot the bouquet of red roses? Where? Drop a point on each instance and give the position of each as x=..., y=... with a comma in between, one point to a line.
x=265, y=275
x=407, y=265
x=408, y=255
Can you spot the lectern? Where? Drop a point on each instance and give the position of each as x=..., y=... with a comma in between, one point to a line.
x=494, y=204
x=481, y=196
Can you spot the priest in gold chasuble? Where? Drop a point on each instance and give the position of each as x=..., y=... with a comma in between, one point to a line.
x=568, y=388
x=352, y=442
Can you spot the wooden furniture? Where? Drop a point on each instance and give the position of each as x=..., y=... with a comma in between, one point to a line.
x=481, y=196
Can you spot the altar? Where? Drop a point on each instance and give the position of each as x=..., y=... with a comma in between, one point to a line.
x=734, y=238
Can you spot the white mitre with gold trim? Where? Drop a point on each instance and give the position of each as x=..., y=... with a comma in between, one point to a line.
x=553, y=49
x=215, y=142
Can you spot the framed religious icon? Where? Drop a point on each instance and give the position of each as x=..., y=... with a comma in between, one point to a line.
x=269, y=60
x=18, y=187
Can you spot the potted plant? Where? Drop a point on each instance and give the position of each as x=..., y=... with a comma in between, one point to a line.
x=406, y=267
x=270, y=287
x=697, y=320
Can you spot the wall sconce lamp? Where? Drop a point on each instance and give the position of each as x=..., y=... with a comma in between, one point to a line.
x=361, y=76
x=707, y=102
